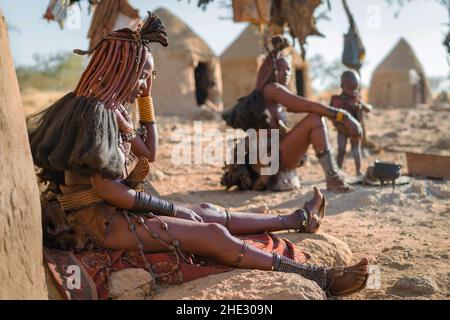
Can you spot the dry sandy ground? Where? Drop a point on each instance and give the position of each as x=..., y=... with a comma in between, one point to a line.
x=405, y=232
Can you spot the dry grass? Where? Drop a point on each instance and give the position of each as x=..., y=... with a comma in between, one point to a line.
x=36, y=100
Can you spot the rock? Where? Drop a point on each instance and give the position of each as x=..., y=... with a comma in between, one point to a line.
x=443, y=144
x=245, y=285
x=323, y=248
x=22, y=273
x=417, y=187
x=397, y=257
x=440, y=191
x=414, y=286
x=131, y=284
x=241, y=284
x=393, y=199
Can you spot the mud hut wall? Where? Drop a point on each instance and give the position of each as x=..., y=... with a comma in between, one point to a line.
x=21, y=271
x=174, y=88
x=391, y=90
x=239, y=78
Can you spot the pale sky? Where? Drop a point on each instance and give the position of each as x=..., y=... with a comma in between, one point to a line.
x=421, y=23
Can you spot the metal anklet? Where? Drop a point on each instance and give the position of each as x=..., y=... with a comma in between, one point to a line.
x=227, y=219
x=241, y=255
x=317, y=274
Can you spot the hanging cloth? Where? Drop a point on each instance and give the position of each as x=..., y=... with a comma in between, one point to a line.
x=253, y=11
x=299, y=17
x=57, y=11
x=354, y=52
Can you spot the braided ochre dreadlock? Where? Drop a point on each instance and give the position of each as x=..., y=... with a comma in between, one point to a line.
x=117, y=62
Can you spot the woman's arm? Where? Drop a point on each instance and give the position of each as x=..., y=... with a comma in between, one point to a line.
x=297, y=104
x=113, y=192
x=149, y=148
x=119, y=195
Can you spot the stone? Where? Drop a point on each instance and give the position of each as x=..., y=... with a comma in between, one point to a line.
x=241, y=284
x=418, y=188
x=440, y=191
x=22, y=273
x=396, y=257
x=245, y=285
x=131, y=284
x=323, y=248
x=408, y=286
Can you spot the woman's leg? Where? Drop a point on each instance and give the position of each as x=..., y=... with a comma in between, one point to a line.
x=239, y=223
x=204, y=239
x=295, y=144
x=312, y=130
x=214, y=241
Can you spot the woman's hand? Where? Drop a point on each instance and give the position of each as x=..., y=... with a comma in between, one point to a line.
x=187, y=214
x=148, y=88
x=352, y=125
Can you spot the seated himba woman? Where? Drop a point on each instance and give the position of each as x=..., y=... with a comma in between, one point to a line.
x=271, y=90
x=87, y=147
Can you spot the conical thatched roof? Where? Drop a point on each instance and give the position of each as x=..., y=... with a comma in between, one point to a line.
x=401, y=59
x=247, y=46
x=182, y=39
x=399, y=81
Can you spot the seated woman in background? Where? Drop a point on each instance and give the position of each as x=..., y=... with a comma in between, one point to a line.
x=272, y=94
x=88, y=149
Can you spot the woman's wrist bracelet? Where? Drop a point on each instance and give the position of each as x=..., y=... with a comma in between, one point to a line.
x=340, y=116
x=130, y=136
x=145, y=202
x=337, y=115
x=146, y=109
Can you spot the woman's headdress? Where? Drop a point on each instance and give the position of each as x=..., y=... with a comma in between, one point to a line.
x=117, y=62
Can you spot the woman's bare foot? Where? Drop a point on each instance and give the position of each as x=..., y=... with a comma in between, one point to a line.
x=338, y=185
x=299, y=219
x=351, y=280
x=314, y=205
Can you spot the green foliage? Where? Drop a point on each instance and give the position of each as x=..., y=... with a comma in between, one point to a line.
x=55, y=72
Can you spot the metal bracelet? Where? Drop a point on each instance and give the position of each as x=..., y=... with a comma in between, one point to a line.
x=241, y=255
x=145, y=202
x=227, y=219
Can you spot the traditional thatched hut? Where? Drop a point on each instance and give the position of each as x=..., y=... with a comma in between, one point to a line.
x=399, y=81
x=240, y=63
x=189, y=72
